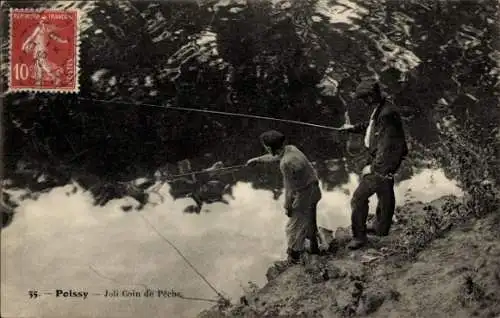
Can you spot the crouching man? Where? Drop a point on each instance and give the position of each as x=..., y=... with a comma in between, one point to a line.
x=302, y=192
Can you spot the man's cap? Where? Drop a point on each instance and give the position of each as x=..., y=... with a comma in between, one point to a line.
x=272, y=136
x=273, y=139
x=367, y=87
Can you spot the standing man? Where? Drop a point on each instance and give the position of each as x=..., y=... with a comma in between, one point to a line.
x=302, y=192
x=386, y=144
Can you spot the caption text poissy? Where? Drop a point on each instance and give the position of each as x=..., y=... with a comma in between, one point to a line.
x=108, y=293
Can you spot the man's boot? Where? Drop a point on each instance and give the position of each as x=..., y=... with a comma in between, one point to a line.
x=294, y=257
x=371, y=229
x=374, y=229
x=314, y=246
x=356, y=243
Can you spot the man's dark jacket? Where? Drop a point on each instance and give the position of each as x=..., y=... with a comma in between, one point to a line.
x=387, y=142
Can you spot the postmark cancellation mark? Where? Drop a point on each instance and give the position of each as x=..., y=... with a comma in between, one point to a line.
x=44, y=51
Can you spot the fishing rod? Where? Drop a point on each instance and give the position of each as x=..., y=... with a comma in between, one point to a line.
x=215, y=112
x=175, y=177
x=221, y=300
x=219, y=294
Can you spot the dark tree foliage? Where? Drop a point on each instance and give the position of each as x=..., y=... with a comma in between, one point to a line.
x=284, y=60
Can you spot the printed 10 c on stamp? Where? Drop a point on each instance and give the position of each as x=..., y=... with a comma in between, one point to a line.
x=44, y=51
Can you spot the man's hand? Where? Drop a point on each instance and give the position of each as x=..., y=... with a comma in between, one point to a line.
x=367, y=170
x=346, y=127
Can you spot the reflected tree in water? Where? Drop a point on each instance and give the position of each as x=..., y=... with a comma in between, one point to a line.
x=294, y=60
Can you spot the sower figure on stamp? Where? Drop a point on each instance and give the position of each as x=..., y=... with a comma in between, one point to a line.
x=37, y=43
x=386, y=143
x=302, y=192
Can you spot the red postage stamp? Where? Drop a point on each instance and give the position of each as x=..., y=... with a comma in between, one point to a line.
x=44, y=51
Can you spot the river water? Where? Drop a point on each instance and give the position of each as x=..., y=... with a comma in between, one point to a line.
x=60, y=241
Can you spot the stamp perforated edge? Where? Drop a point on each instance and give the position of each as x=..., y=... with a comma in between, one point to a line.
x=77, y=53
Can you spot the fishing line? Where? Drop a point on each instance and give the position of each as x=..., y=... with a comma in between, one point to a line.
x=183, y=257
x=114, y=280
x=216, y=112
x=200, y=299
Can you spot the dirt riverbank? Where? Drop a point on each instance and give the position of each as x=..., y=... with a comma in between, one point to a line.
x=439, y=261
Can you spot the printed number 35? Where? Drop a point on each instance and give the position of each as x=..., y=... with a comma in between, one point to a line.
x=33, y=293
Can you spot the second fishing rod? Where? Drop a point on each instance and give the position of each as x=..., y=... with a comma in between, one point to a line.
x=214, y=112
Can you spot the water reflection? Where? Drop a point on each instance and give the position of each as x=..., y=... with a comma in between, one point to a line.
x=56, y=237
x=216, y=183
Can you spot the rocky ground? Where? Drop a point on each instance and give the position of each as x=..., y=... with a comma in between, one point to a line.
x=439, y=261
